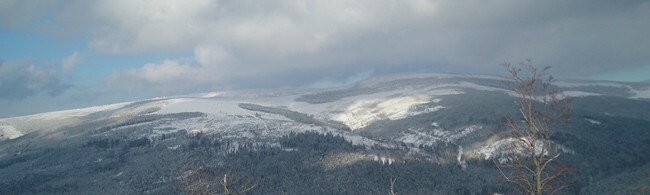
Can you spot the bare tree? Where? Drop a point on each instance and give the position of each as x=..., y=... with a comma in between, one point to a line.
x=392, y=186
x=194, y=181
x=227, y=185
x=542, y=110
x=197, y=181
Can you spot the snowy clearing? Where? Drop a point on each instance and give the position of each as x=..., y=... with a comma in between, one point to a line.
x=9, y=132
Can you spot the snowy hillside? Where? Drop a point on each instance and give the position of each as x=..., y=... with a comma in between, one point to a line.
x=428, y=123
x=356, y=106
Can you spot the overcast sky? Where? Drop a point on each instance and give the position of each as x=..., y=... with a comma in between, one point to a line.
x=74, y=53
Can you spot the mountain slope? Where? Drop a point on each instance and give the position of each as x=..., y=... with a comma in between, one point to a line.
x=390, y=125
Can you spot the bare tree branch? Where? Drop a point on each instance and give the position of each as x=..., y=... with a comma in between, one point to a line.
x=392, y=186
x=197, y=181
x=541, y=110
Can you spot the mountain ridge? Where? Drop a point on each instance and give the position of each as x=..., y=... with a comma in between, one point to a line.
x=569, y=83
x=444, y=120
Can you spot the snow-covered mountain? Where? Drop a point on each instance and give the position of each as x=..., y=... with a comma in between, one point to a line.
x=431, y=117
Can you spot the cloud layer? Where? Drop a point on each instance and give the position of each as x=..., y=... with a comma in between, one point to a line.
x=244, y=43
x=19, y=79
x=72, y=60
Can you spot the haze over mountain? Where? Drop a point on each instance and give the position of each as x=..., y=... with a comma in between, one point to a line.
x=432, y=131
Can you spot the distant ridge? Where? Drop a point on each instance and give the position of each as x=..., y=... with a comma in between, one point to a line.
x=411, y=125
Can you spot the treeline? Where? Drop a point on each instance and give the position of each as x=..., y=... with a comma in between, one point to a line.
x=300, y=171
x=317, y=142
x=149, y=118
x=616, y=145
x=214, y=144
x=293, y=115
x=119, y=164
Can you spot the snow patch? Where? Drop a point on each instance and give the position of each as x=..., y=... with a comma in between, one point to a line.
x=418, y=138
x=248, y=128
x=210, y=95
x=74, y=113
x=578, y=93
x=174, y=147
x=9, y=132
x=451, y=136
x=505, y=150
x=365, y=111
x=210, y=106
x=638, y=94
x=592, y=121
x=383, y=160
x=499, y=148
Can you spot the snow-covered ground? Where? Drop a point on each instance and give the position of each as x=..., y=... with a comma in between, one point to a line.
x=363, y=112
x=66, y=114
x=356, y=111
x=359, y=111
x=638, y=94
x=9, y=132
x=578, y=93
x=419, y=138
x=504, y=149
x=19, y=126
x=209, y=106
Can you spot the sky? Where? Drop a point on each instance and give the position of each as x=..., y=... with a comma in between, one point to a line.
x=62, y=54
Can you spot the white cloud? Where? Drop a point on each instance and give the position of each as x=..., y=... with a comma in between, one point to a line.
x=137, y=26
x=210, y=55
x=209, y=69
x=72, y=60
x=169, y=76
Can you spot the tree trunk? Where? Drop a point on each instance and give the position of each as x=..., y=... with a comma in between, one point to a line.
x=538, y=179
